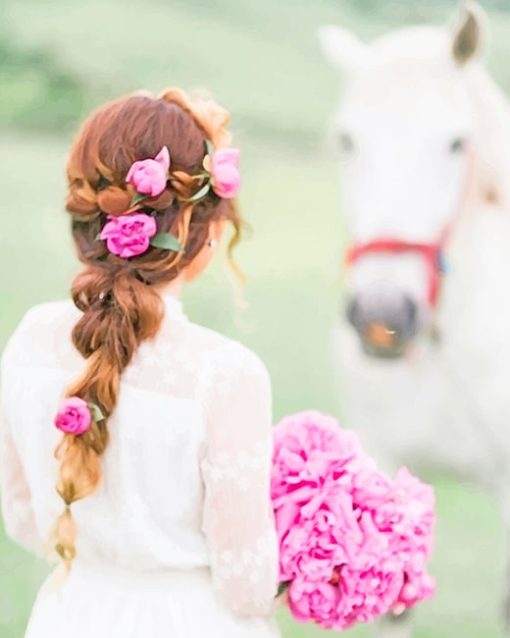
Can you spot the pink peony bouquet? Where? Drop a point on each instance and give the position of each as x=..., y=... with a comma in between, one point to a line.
x=354, y=544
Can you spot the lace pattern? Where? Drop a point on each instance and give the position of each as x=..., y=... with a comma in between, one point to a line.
x=236, y=471
x=186, y=477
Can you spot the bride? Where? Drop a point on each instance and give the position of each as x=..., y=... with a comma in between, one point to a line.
x=136, y=445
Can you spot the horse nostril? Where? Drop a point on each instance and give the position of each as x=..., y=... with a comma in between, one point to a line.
x=385, y=323
x=351, y=312
x=458, y=145
x=371, y=326
x=410, y=322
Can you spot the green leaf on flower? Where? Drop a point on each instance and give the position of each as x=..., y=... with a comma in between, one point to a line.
x=138, y=199
x=209, y=148
x=98, y=236
x=281, y=588
x=200, y=193
x=97, y=414
x=166, y=241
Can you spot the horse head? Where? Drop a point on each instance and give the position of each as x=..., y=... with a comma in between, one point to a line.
x=408, y=133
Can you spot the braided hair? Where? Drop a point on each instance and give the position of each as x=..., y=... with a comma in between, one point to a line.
x=118, y=297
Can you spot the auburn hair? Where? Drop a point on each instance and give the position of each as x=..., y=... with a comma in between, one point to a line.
x=118, y=299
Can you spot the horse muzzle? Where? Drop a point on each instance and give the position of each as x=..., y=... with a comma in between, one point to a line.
x=386, y=322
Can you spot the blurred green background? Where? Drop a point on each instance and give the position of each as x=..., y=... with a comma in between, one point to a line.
x=60, y=58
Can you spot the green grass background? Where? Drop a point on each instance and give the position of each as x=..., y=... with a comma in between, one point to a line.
x=58, y=59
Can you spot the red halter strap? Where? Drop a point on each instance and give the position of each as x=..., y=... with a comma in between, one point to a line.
x=431, y=253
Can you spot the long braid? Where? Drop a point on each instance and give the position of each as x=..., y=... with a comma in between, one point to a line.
x=119, y=303
x=119, y=312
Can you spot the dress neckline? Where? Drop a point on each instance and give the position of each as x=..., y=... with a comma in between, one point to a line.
x=173, y=306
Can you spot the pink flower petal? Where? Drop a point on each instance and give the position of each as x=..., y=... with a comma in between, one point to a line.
x=163, y=158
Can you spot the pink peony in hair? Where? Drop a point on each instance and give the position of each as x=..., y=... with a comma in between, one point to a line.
x=73, y=416
x=149, y=176
x=226, y=178
x=129, y=235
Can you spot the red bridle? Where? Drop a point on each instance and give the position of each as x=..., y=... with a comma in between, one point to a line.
x=432, y=253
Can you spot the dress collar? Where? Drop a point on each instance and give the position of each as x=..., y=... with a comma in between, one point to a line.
x=173, y=306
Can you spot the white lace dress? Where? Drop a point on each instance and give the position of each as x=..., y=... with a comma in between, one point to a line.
x=179, y=539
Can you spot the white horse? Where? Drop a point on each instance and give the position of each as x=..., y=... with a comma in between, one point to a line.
x=424, y=356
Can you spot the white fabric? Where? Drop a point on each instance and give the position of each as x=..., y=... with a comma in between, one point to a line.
x=184, y=496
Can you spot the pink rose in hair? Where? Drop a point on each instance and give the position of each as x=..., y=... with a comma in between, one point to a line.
x=129, y=235
x=225, y=172
x=74, y=416
x=149, y=176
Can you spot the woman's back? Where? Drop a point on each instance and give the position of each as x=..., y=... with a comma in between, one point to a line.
x=155, y=494
x=189, y=438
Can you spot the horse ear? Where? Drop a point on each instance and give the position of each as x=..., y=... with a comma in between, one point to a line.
x=343, y=49
x=469, y=35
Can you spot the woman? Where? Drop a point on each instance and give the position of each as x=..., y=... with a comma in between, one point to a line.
x=161, y=516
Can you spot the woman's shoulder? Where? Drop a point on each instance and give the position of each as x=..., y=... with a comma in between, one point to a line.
x=37, y=325
x=49, y=313
x=49, y=310
x=231, y=355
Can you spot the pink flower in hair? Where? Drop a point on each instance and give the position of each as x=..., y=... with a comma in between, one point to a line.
x=73, y=416
x=225, y=172
x=149, y=176
x=129, y=235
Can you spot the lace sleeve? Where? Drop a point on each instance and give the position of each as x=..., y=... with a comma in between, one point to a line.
x=17, y=510
x=238, y=518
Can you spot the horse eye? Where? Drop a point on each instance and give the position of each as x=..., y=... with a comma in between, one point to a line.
x=345, y=142
x=458, y=145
